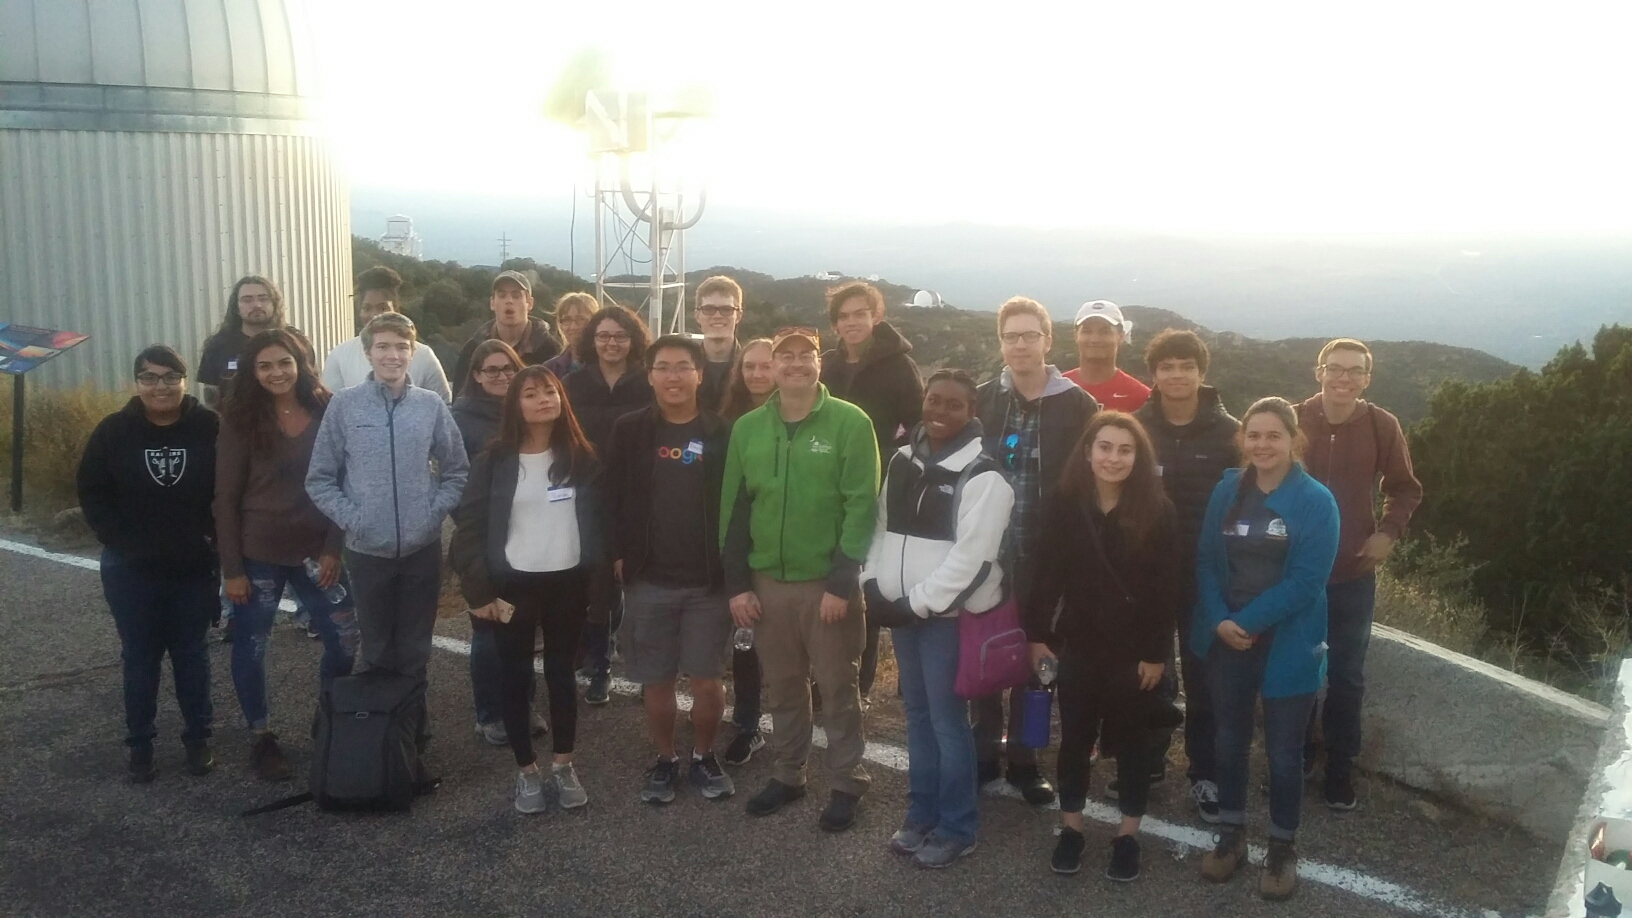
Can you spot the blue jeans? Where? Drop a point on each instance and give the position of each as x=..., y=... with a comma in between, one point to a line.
x=158, y=614
x=336, y=625
x=1349, y=608
x=484, y=671
x=1235, y=678
x=940, y=743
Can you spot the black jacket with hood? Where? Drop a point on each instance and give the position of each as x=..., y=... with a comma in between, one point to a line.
x=631, y=459
x=147, y=490
x=886, y=385
x=1192, y=458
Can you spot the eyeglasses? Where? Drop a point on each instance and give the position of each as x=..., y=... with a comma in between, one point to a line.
x=154, y=380
x=1010, y=454
x=715, y=310
x=1029, y=337
x=611, y=337
x=789, y=357
x=496, y=372
x=1337, y=372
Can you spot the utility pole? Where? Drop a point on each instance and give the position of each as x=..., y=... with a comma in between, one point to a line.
x=504, y=248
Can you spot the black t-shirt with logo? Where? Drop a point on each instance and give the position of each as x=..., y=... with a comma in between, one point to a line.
x=679, y=557
x=1256, y=545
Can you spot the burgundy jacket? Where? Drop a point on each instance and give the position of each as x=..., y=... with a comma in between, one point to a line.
x=1348, y=458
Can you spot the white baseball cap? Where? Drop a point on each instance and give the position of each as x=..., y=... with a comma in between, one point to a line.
x=1106, y=310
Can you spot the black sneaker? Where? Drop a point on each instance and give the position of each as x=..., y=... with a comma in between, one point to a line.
x=1032, y=785
x=141, y=765
x=200, y=760
x=743, y=748
x=1124, y=866
x=775, y=796
x=840, y=813
x=311, y=630
x=660, y=779
x=600, y=687
x=1205, y=795
x=1340, y=793
x=1067, y=857
x=711, y=779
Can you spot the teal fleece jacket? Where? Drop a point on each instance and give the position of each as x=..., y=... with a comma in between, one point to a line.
x=800, y=508
x=1296, y=606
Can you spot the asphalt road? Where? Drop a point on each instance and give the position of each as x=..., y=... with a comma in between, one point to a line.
x=76, y=839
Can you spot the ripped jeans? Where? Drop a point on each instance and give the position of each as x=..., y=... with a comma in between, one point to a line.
x=336, y=625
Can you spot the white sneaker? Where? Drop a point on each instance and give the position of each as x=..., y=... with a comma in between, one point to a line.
x=572, y=794
x=493, y=734
x=1205, y=794
x=530, y=792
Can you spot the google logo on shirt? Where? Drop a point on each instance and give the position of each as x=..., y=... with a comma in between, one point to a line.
x=686, y=456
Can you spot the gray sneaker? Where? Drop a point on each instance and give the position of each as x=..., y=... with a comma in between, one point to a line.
x=493, y=734
x=909, y=838
x=939, y=851
x=530, y=792
x=572, y=794
x=660, y=780
x=710, y=778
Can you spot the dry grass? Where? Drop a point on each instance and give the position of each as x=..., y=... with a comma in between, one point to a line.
x=59, y=423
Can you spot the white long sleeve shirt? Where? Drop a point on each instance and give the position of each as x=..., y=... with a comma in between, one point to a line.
x=347, y=366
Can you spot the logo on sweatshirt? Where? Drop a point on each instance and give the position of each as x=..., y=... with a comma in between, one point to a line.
x=167, y=465
x=818, y=445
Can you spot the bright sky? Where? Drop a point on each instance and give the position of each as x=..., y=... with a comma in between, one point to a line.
x=1416, y=116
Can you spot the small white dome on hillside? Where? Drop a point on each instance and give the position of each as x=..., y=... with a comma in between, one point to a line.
x=925, y=299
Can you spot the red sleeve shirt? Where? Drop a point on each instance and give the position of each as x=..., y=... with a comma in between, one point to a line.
x=1119, y=393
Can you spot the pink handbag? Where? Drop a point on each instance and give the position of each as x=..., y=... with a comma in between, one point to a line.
x=993, y=653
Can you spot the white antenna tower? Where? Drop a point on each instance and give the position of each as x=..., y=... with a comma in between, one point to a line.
x=644, y=225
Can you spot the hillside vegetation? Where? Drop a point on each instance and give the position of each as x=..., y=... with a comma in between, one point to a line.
x=451, y=300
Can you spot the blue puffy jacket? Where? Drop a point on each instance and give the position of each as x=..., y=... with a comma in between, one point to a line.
x=1296, y=606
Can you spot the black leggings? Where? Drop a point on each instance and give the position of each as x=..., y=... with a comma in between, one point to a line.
x=556, y=602
x=1090, y=698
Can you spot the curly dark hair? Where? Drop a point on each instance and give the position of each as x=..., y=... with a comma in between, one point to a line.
x=247, y=406
x=639, y=337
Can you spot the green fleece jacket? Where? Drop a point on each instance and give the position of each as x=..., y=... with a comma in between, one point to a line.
x=799, y=508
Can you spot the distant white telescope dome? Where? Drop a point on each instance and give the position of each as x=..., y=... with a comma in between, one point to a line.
x=926, y=299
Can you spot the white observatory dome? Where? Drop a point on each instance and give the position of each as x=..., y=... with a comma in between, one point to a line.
x=151, y=153
x=926, y=299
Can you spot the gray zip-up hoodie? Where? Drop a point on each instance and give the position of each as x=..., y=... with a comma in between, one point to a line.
x=371, y=468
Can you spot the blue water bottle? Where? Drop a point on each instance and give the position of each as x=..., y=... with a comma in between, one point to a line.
x=1036, y=708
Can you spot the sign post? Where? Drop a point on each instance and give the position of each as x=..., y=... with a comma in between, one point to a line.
x=22, y=348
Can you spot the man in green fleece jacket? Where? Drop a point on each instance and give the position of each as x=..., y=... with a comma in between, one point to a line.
x=801, y=479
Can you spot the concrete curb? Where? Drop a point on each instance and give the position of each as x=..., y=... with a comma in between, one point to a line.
x=1503, y=745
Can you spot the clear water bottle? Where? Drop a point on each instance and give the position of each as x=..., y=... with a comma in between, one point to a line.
x=743, y=639
x=335, y=594
x=1048, y=670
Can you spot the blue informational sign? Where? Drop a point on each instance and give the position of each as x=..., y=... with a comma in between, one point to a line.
x=23, y=347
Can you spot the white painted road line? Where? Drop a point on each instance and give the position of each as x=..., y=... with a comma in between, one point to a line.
x=1184, y=838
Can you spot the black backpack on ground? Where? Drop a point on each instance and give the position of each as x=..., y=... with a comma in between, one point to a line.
x=365, y=755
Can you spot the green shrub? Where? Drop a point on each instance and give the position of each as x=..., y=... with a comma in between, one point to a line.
x=59, y=423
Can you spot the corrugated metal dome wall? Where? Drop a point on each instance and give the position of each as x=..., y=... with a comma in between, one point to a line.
x=152, y=152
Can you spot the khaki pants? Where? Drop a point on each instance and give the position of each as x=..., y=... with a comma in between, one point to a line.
x=794, y=646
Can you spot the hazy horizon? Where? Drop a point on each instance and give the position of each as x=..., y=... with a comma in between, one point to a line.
x=1519, y=296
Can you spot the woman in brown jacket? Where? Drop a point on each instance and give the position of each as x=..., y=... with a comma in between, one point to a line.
x=269, y=533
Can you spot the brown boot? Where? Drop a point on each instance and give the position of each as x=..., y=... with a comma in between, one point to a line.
x=1280, y=876
x=267, y=759
x=1220, y=864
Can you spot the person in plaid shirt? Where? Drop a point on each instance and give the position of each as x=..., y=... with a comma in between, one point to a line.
x=1032, y=417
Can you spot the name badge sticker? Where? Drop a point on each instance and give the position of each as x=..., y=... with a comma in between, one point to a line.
x=1158, y=471
x=560, y=493
x=1243, y=528
x=695, y=447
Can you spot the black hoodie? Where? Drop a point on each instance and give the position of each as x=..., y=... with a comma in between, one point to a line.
x=885, y=384
x=146, y=490
x=476, y=414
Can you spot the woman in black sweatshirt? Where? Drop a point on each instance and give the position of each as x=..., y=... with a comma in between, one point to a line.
x=146, y=481
x=1112, y=556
